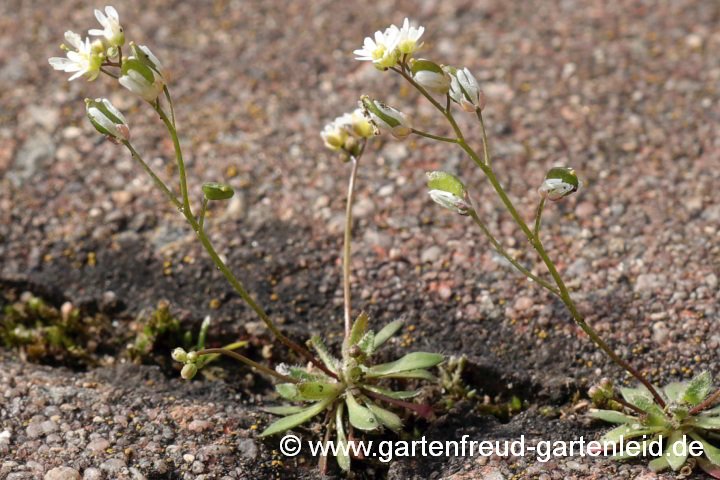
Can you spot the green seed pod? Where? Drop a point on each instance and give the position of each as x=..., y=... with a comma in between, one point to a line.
x=217, y=191
x=559, y=183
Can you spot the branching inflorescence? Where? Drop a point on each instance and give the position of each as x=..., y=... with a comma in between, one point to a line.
x=351, y=389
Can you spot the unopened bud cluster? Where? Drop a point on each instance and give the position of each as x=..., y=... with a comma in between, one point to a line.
x=346, y=132
x=193, y=362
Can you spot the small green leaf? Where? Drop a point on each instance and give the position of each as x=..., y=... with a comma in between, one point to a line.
x=712, y=411
x=288, y=390
x=656, y=416
x=612, y=416
x=360, y=417
x=343, y=460
x=711, y=452
x=217, y=191
x=698, y=389
x=411, y=361
x=708, y=423
x=319, y=390
x=626, y=432
x=630, y=394
x=421, y=374
x=330, y=362
x=358, y=329
x=367, y=343
x=285, y=409
x=676, y=443
x=293, y=421
x=400, y=394
x=301, y=373
x=386, y=417
x=643, y=447
x=387, y=331
x=675, y=391
x=658, y=464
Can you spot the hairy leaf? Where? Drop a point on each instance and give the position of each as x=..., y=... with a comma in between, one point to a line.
x=387, y=331
x=675, y=391
x=698, y=389
x=659, y=464
x=358, y=329
x=285, y=409
x=288, y=390
x=360, y=417
x=626, y=432
x=386, y=417
x=399, y=394
x=293, y=421
x=367, y=343
x=421, y=374
x=330, y=362
x=709, y=423
x=711, y=452
x=319, y=390
x=301, y=373
x=676, y=443
x=612, y=416
x=411, y=361
x=343, y=460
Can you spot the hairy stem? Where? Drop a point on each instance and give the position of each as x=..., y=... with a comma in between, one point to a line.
x=486, y=147
x=501, y=251
x=629, y=405
x=247, y=361
x=158, y=182
x=424, y=411
x=201, y=220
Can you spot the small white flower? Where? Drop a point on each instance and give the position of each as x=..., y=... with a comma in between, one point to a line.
x=80, y=60
x=112, y=31
x=144, y=53
x=334, y=136
x=141, y=79
x=450, y=201
x=381, y=51
x=431, y=76
x=465, y=90
x=407, y=43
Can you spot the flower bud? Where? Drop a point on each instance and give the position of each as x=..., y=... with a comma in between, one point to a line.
x=143, y=53
x=465, y=90
x=449, y=192
x=431, y=76
x=179, y=355
x=360, y=125
x=107, y=119
x=188, y=371
x=191, y=357
x=559, y=182
x=334, y=136
x=141, y=79
x=597, y=395
x=386, y=118
x=217, y=191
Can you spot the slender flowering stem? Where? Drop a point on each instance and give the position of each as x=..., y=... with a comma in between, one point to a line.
x=120, y=56
x=178, y=157
x=629, y=405
x=473, y=214
x=435, y=137
x=486, y=148
x=247, y=361
x=158, y=182
x=538, y=216
x=424, y=411
x=563, y=292
x=237, y=285
x=348, y=244
x=108, y=73
x=201, y=221
x=170, y=102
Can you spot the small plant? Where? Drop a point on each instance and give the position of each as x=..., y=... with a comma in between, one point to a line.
x=329, y=382
x=685, y=418
x=443, y=86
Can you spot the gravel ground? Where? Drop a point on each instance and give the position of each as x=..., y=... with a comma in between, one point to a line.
x=626, y=92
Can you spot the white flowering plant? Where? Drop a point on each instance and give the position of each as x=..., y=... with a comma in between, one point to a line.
x=353, y=380
x=684, y=408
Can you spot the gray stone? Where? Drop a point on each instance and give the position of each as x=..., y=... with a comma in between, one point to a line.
x=431, y=254
x=92, y=474
x=247, y=448
x=98, y=445
x=650, y=281
x=62, y=473
x=113, y=466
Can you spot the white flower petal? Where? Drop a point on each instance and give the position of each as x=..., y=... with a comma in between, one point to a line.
x=101, y=18
x=112, y=13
